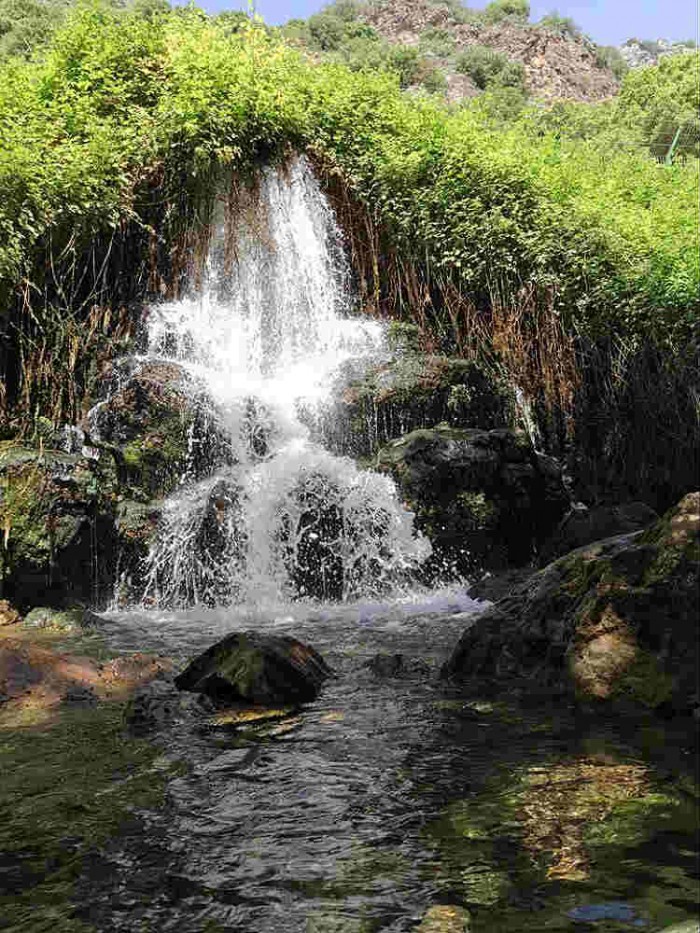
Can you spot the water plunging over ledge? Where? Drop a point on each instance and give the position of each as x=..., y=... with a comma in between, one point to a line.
x=263, y=337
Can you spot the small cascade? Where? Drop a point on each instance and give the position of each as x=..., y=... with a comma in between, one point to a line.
x=263, y=339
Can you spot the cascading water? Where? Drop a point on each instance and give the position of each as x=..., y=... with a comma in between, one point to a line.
x=391, y=802
x=263, y=337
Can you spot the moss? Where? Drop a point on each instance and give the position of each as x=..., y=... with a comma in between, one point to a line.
x=155, y=461
x=45, y=498
x=645, y=681
x=581, y=572
x=417, y=391
x=241, y=667
x=62, y=621
x=477, y=509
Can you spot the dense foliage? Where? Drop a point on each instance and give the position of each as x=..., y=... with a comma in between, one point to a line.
x=612, y=235
x=657, y=110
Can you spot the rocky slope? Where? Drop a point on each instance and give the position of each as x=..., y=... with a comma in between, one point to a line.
x=556, y=66
x=640, y=53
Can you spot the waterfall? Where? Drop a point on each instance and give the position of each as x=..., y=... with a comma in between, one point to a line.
x=263, y=338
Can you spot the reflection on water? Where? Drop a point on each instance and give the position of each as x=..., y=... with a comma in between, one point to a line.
x=393, y=803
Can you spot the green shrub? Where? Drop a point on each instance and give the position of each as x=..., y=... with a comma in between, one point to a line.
x=502, y=105
x=434, y=80
x=661, y=100
x=487, y=67
x=406, y=61
x=437, y=42
x=561, y=25
x=26, y=25
x=119, y=102
x=610, y=57
x=499, y=10
x=234, y=21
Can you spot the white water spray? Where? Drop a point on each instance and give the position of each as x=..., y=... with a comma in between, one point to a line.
x=264, y=338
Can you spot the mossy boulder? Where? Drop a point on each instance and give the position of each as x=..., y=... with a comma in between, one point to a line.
x=486, y=499
x=617, y=620
x=158, y=427
x=57, y=525
x=258, y=668
x=417, y=390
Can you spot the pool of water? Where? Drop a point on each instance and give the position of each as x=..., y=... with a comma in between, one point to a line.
x=395, y=798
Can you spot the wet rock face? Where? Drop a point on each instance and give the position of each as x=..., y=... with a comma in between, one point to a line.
x=145, y=425
x=416, y=390
x=583, y=526
x=486, y=499
x=57, y=516
x=615, y=620
x=257, y=668
x=157, y=429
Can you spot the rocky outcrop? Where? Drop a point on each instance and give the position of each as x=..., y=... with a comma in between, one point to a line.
x=556, y=66
x=249, y=666
x=639, y=53
x=57, y=519
x=486, y=499
x=581, y=526
x=615, y=620
x=157, y=429
x=416, y=390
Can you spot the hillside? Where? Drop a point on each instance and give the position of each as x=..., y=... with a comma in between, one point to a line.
x=557, y=65
x=447, y=48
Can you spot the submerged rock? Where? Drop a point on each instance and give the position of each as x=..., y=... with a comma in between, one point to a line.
x=265, y=669
x=152, y=706
x=615, y=620
x=484, y=498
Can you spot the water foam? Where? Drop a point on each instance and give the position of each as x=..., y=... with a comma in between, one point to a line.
x=264, y=338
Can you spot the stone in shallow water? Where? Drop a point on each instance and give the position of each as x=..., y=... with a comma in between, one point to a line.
x=256, y=667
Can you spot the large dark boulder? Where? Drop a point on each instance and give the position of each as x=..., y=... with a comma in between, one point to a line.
x=257, y=668
x=158, y=425
x=581, y=526
x=615, y=620
x=486, y=499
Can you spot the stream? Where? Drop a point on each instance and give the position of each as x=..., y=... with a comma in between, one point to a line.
x=391, y=794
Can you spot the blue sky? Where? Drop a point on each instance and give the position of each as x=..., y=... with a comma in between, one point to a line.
x=608, y=22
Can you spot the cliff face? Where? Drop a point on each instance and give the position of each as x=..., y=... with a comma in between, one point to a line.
x=556, y=66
